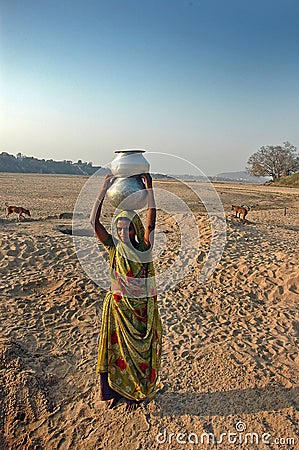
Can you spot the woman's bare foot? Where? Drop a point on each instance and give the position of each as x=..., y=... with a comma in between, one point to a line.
x=114, y=402
x=132, y=405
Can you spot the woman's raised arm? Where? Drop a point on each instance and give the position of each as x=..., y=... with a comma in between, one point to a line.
x=100, y=231
x=151, y=211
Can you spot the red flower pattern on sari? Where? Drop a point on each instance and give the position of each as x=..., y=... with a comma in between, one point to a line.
x=143, y=272
x=141, y=314
x=143, y=366
x=153, y=376
x=121, y=363
x=117, y=296
x=114, y=338
x=144, y=314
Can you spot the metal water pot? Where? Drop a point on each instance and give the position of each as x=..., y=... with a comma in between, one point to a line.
x=128, y=191
x=128, y=163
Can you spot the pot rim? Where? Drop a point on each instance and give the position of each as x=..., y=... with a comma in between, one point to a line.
x=130, y=150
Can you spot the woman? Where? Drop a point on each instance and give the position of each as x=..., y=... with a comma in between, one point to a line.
x=130, y=338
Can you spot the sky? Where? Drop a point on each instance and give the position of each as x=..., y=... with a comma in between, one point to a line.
x=210, y=81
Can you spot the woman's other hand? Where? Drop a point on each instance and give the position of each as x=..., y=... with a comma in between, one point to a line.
x=148, y=181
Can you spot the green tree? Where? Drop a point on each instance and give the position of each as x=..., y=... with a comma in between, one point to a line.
x=274, y=161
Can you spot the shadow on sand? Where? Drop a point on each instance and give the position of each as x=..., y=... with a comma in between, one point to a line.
x=270, y=398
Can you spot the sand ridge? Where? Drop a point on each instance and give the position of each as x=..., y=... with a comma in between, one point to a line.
x=230, y=348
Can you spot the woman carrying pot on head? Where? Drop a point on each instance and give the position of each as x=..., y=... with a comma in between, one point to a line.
x=131, y=333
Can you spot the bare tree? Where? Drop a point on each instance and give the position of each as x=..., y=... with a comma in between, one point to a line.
x=274, y=161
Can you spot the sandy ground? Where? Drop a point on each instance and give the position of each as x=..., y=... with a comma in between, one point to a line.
x=230, y=350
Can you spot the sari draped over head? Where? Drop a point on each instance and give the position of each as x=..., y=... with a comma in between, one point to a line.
x=131, y=331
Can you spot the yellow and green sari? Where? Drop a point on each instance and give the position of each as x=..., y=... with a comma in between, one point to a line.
x=131, y=332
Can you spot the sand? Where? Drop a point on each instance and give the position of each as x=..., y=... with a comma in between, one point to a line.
x=230, y=345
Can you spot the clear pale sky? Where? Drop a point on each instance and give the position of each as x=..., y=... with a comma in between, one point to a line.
x=210, y=81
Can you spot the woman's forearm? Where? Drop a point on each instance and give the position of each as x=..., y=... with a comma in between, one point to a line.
x=95, y=214
x=97, y=209
x=151, y=211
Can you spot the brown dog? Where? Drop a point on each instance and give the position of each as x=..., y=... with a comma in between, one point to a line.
x=241, y=211
x=16, y=209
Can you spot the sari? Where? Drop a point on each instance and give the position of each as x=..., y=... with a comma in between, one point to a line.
x=129, y=352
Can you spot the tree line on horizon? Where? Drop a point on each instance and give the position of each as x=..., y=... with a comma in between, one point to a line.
x=275, y=161
x=29, y=164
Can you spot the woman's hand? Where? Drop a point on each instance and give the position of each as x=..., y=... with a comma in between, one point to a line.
x=108, y=181
x=148, y=181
